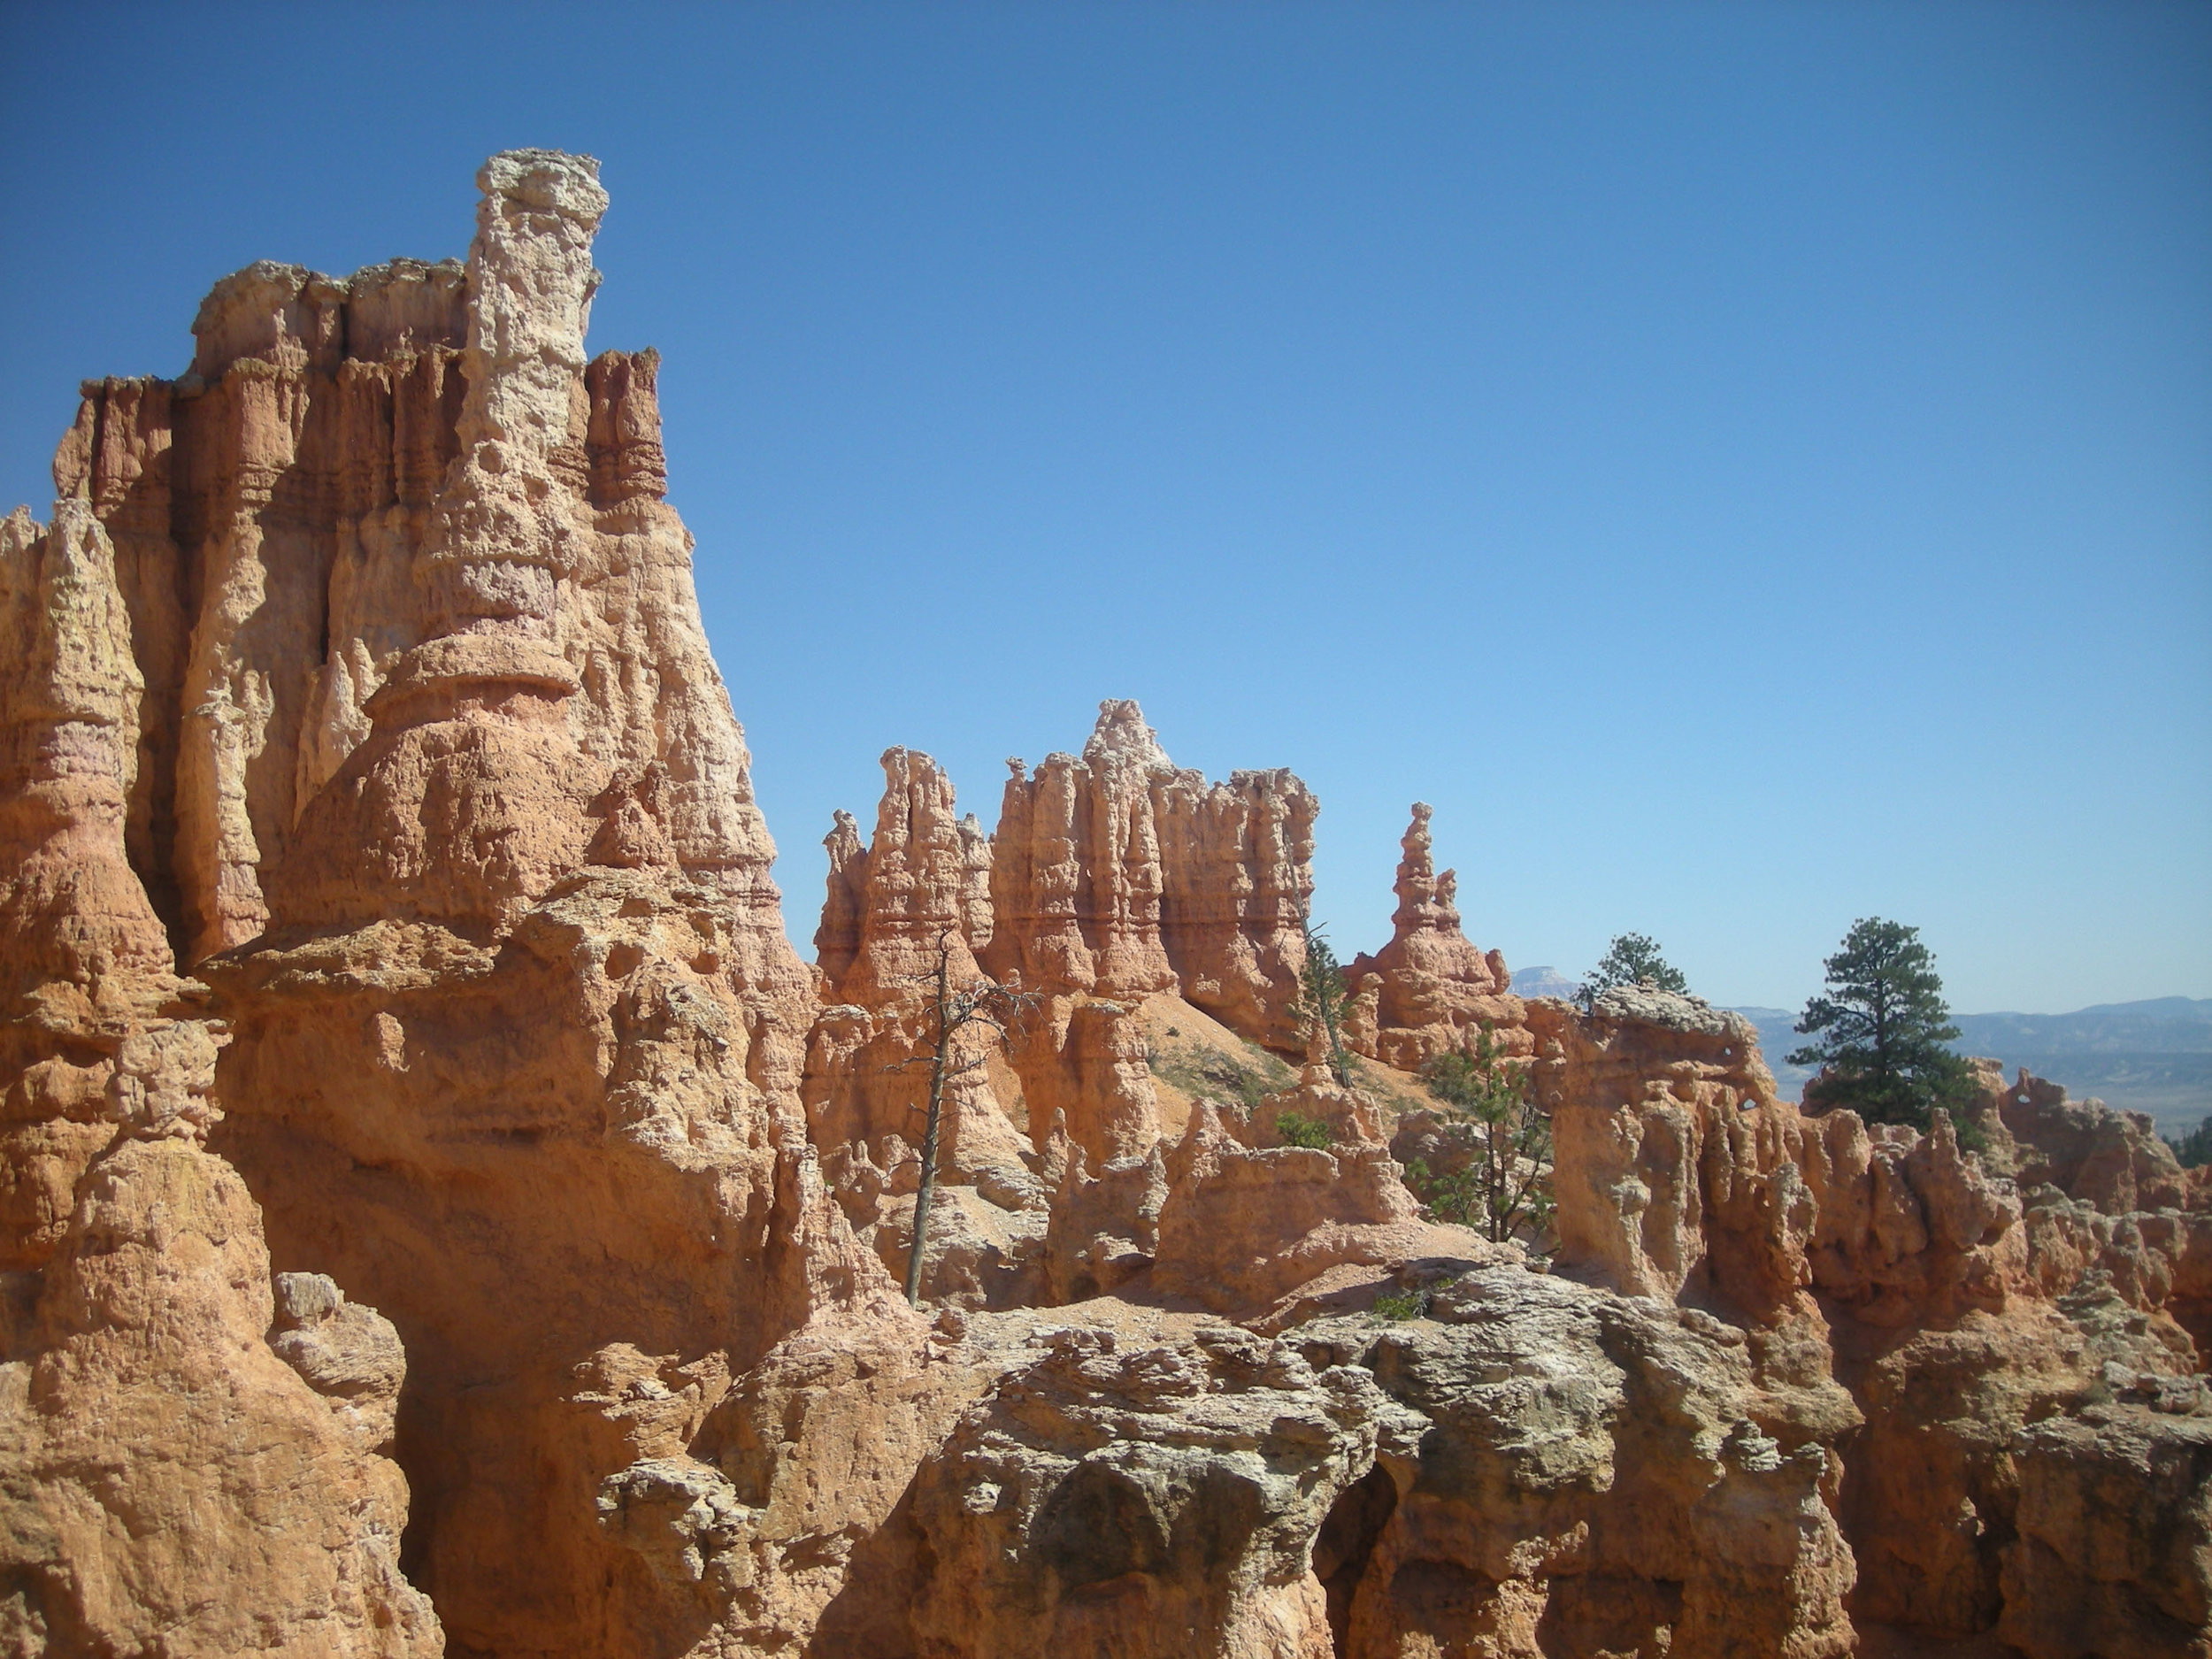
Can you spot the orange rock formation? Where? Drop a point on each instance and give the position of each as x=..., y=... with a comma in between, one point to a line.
x=193, y=1458
x=490, y=1246
x=1120, y=875
x=1426, y=991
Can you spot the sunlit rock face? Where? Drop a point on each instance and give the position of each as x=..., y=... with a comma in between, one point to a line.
x=406, y=738
x=1120, y=875
x=195, y=1458
x=400, y=509
x=1428, y=991
x=440, y=1212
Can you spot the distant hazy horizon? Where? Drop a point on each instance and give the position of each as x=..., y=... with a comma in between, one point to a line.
x=1749, y=468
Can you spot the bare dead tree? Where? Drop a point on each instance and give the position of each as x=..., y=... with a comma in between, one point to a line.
x=954, y=1009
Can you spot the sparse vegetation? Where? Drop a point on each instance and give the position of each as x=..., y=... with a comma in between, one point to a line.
x=1631, y=959
x=1881, y=1030
x=1296, y=1129
x=1401, y=1304
x=1218, y=1076
x=1502, y=1187
x=2195, y=1148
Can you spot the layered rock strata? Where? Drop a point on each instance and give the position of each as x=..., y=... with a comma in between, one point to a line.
x=1976, y=1337
x=397, y=504
x=547, y=828
x=442, y=789
x=911, y=905
x=1670, y=1503
x=1154, y=1500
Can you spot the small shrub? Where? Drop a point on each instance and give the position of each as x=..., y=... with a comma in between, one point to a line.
x=1457, y=1198
x=1401, y=1304
x=1296, y=1129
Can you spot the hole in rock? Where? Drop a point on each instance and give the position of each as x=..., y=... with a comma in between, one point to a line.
x=1347, y=1540
x=1100, y=1525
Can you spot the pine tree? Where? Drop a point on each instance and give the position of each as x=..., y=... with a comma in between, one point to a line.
x=1503, y=1184
x=1631, y=959
x=1881, y=1030
x=2193, y=1148
x=1323, y=998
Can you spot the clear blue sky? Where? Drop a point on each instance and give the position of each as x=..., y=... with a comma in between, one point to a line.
x=1749, y=467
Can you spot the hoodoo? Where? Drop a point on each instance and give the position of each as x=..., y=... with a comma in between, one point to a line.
x=441, y=1212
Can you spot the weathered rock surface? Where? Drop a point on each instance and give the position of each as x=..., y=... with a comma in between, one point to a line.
x=1676, y=1171
x=1242, y=1226
x=913, y=902
x=500, y=1139
x=1596, y=1475
x=2113, y=1160
x=398, y=510
x=519, y=1055
x=457, y=794
x=176, y=1474
x=171, y=1479
x=2114, y=1553
x=1144, y=1500
x=1121, y=875
x=1959, y=1321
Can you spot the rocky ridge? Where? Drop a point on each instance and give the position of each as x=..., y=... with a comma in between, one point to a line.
x=441, y=1212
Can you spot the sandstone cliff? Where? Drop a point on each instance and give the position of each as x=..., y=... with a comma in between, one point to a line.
x=413, y=742
x=440, y=1212
x=1974, y=1343
x=913, y=902
x=1120, y=875
x=194, y=1458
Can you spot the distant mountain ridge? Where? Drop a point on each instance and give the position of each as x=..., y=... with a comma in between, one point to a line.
x=1543, y=982
x=2153, y=1056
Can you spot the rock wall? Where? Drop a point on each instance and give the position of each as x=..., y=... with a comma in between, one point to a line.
x=414, y=732
x=1667, y=1504
x=400, y=509
x=1991, y=1350
x=1677, y=1170
x=194, y=1458
x=914, y=902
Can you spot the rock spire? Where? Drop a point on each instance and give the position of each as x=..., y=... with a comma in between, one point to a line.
x=1428, y=990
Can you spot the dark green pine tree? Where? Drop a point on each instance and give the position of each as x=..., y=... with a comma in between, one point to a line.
x=1881, y=1030
x=1631, y=959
